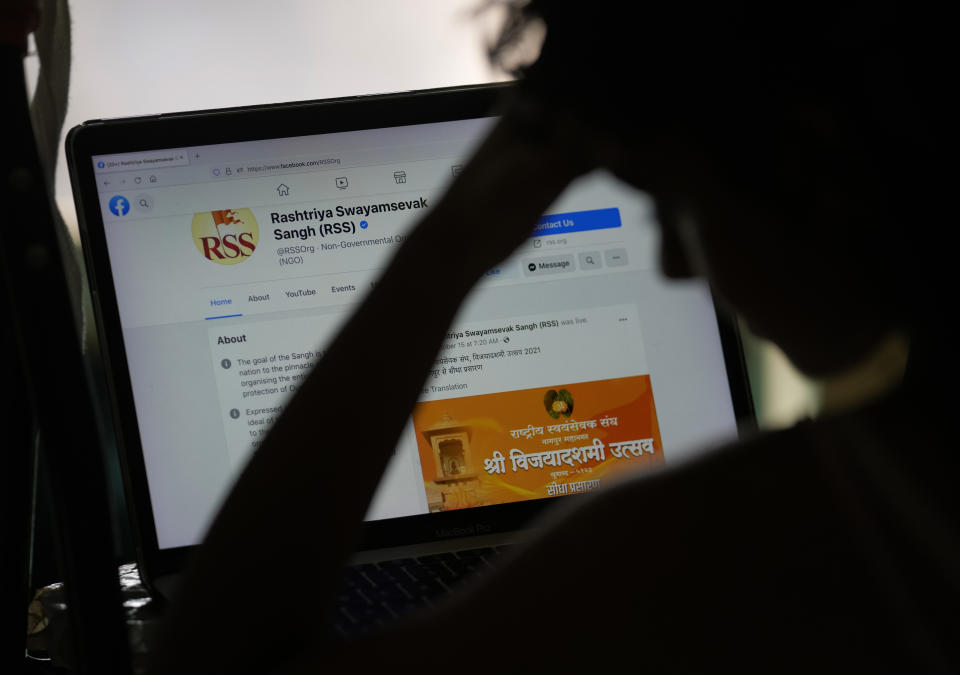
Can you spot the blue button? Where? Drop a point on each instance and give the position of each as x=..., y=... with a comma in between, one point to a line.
x=576, y=221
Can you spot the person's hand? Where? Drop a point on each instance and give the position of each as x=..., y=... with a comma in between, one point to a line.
x=522, y=166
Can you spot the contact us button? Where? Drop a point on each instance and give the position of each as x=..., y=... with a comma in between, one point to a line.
x=554, y=264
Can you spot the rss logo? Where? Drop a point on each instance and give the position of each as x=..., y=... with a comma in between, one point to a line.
x=226, y=237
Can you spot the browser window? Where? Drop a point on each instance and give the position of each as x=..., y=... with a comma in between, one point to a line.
x=571, y=363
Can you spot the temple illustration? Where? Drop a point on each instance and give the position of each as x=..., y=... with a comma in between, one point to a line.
x=455, y=485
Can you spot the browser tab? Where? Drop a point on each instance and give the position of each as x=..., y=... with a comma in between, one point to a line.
x=137, y=161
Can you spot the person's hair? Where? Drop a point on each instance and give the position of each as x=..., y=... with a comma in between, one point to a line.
x=726, y=72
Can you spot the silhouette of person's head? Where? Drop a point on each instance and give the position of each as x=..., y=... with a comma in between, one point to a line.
x=788, y=147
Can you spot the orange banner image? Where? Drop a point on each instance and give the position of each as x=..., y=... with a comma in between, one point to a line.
x=534, y=443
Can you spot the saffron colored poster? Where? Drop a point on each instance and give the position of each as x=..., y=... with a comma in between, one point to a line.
x=534, y=443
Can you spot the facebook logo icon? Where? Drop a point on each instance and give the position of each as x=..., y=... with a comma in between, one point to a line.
x=119, y=206
x=100, y=165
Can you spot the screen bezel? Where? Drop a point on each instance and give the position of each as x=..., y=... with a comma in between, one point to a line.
x=158, y=132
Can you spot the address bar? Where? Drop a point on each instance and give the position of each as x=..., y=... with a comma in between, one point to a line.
x=399, y=155
x=280, y=165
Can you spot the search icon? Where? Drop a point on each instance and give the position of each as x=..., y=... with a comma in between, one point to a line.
x=144, y=203
x=590, y=260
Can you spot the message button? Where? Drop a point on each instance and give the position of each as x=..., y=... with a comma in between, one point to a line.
x=554, y=264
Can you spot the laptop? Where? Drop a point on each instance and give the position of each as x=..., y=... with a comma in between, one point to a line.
x=224, y=248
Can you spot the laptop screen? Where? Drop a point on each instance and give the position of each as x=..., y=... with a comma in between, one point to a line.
x=573, y=363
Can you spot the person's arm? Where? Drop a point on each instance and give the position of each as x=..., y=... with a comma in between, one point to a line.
x=737, y=562
x=300, y=501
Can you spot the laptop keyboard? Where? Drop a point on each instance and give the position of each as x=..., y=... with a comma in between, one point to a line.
x=373, y=594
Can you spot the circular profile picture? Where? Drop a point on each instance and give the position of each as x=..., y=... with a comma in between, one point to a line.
x=225, y=237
